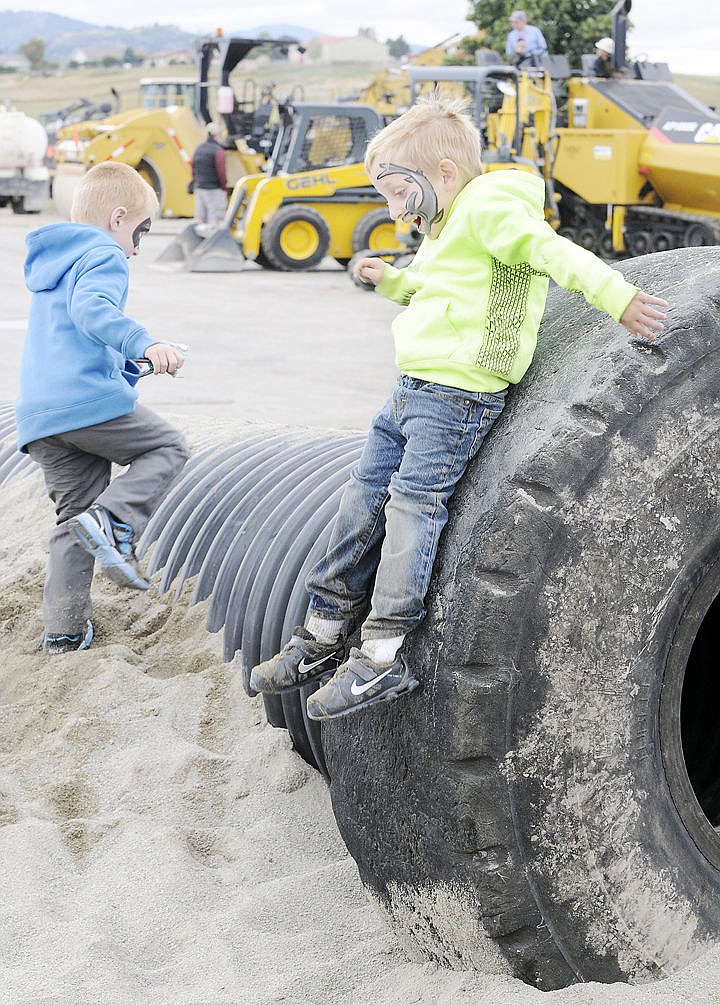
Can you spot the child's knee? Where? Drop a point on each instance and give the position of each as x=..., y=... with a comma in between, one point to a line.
x=180, y=451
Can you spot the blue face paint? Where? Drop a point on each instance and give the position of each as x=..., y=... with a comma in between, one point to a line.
x=422, y=203
x=140, y=231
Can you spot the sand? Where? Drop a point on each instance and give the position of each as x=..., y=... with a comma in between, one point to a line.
x=160, y=842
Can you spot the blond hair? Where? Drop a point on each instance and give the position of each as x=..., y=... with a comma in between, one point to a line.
x=107, y=186
x=433, y=129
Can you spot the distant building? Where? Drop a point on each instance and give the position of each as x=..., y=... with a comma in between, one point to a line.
x=170, y=57
x=359, y=49
x=14, y=62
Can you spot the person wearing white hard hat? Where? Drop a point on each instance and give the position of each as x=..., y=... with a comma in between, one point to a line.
x=602, y=67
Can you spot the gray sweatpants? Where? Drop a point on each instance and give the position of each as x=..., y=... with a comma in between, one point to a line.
x=77, y=467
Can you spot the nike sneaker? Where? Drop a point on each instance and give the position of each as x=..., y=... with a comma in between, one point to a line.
x=53, y=644
x=303, y=660
x=358, y=683
x=110, y=542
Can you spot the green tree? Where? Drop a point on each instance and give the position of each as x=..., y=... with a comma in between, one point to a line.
x=34, y=51
x=397, y=47
x=132, y=57
x=570, y=27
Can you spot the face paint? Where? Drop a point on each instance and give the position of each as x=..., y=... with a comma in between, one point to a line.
x=422, y=202
x=140, y=230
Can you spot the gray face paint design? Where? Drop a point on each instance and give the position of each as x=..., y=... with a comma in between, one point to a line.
x=420, y=204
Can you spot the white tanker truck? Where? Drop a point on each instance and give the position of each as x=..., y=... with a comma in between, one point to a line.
x=24, y=176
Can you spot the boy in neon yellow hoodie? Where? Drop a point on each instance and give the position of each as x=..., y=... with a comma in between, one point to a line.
x=475, y=295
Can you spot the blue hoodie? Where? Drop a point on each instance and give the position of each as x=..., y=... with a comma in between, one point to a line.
x=76, y=368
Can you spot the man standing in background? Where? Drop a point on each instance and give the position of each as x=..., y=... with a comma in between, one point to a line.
x=210, y=179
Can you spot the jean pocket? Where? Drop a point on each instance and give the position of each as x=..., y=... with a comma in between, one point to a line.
x=455, y=395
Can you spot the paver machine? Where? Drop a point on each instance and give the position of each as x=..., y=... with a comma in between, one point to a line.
x=631, y=164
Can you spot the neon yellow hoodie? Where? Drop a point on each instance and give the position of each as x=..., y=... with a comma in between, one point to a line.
x=475, y=295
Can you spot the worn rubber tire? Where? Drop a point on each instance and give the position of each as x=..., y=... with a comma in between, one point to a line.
x=375, y=231
x=149, y=173
x=546, y=804
x=295, y=239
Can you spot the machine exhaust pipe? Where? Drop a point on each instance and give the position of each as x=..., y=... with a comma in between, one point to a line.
x=619, y=32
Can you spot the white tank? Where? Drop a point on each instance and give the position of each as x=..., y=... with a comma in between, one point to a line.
x=23, y=141
x=24, y=175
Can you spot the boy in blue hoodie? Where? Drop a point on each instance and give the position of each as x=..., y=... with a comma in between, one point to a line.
x=76, y=413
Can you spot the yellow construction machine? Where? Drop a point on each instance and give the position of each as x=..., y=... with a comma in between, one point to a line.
x=159, y=138
x=631, y=163
x=313, y=200
x=389, y=90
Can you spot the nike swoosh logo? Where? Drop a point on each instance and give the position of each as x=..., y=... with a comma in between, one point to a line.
x=357, y=690
x=304, y=667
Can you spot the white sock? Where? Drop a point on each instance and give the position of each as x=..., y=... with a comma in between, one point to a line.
x=324, y=629
x=382, y=650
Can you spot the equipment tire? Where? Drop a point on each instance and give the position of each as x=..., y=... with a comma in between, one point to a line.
x=151, y=175
x=546, y=804
x=295, y=239
x=374, y=231
x=699, y=235
x=639, y=242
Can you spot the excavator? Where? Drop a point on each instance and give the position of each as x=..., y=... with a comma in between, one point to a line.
x=159, y=141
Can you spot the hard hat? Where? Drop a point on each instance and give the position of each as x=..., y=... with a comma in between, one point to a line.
x=606, y=44
x=213, y=129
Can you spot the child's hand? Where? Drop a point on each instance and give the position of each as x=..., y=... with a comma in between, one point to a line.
x=164, y=358
x=641, y=316
x=369, y=270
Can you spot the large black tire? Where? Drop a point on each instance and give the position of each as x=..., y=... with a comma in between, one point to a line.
x=546, y=804
x=295, y=239
x=147, y=170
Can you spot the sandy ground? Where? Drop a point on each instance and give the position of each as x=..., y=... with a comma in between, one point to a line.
x=160, y=843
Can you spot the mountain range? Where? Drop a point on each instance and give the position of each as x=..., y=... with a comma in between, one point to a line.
x=64, y=35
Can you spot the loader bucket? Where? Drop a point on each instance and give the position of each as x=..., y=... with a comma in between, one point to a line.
x=178, y=252
x=218, y=253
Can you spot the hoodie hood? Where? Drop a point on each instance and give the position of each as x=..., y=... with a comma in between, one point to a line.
x=55, y=249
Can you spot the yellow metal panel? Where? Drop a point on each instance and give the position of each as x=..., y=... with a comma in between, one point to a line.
x=271, y=193
x=600, y=165
x=685, y=175
x=602, y=113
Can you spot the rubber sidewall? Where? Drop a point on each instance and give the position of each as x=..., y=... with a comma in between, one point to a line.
x=529, y=810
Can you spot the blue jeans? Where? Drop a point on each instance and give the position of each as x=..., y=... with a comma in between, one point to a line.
x=395, y=506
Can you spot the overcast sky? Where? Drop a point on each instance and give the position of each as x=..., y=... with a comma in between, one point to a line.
x=683, y=33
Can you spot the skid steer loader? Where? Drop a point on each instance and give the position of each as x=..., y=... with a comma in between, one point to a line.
x=313, y=200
